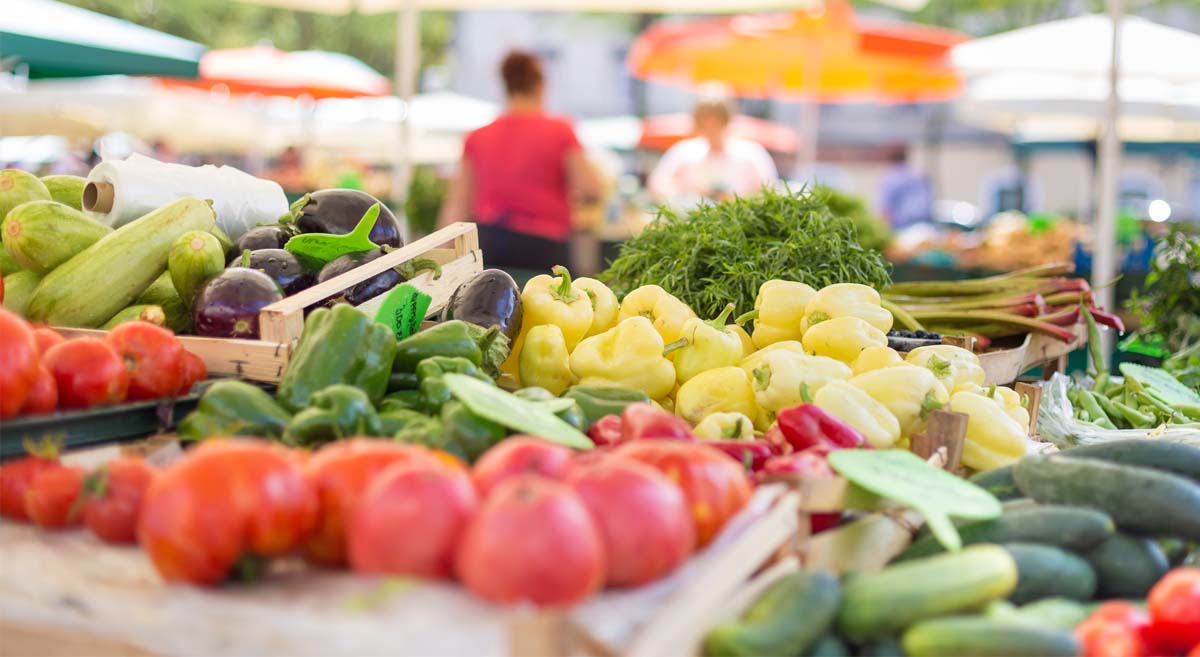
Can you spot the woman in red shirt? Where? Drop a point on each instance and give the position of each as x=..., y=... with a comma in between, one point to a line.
x=520, y=175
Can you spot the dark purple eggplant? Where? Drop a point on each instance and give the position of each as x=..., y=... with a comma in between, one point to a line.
x=283, y=267
x=263, y=237
x=377, y=284
x=338, y=211
x=491, y=298
x=229, y=303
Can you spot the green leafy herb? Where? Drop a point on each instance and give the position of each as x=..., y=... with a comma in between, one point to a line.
x=509, y=410
x=1169, y=309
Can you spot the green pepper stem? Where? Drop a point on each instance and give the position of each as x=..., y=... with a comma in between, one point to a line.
x=742, y=319
x=564, y=292
x=678, y=344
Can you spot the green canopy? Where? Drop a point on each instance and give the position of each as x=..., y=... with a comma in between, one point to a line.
x=56, y=40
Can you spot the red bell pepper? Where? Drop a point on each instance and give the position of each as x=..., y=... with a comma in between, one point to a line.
x=1115, y=629
x=808, y=425
x=1174, y=605
x=753, y=454
x=810, y=463
x=642, y=421
x=606, y=430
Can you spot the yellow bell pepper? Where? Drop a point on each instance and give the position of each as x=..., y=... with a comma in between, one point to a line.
x=747, y=343
x=953, y=366
x=1009, y=399
x=725, y=426
x=628, y=355
x=908, y=391
x=784, y=378
x=550, y=300
x=705, y=346
x=994, y=439
x=544, y=359
x=654, y=303
x=855, y=407
x=780, y=310
x=604, y=305
x=755, y=359
x=843, y=338
x=723, y=390
x=846, y=300
x=874, y=358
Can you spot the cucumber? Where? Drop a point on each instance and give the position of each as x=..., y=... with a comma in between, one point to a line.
x=786, y=620
x=144, y=313
x=18, y=288
x=42, y=235
x=194, y=258
x=67, y=190
x=8, y=265
x=17, y=187
x=126, y=261
x=1048, y=572
x=828, y=646
x=1174, y=550
x=998, y=482
x=1127, y=566
x=1139, y=500
x=162, y=293
x=976, y=636
x=884, y=603
x=886, y=646
x=1177, y=458
x=1070, y=528
x=1054, y=613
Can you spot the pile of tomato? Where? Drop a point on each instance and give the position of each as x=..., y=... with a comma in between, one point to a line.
x=1168, y=625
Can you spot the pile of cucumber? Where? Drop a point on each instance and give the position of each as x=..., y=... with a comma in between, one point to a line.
x=1090, y=523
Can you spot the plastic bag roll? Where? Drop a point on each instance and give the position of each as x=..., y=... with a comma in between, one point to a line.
x=120, y=191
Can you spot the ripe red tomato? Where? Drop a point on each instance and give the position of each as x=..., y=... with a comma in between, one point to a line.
x=87, y=372
x=533, y=540
x=516, y=455
x=642, y=517
x=52, y=501
x=43, y=394
x=410, y=519
x=225, y=500
x=194, y=371
x=1174, y=605
x=113, y=498
x=715, y=486
x=18, y=362
x=152, y=355
x=1115, y=629
x=339, y=473
x=46, y=338
x=15, y=477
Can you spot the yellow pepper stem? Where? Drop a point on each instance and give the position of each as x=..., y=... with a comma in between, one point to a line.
x=929, y=404
x=719, y=322
x=678, y=344
x=564, y=292
x=745, y=317
x=817, y=317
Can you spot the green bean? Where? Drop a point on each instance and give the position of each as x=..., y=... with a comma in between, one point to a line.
x=1094, y=410
x=1191, y=411
x=1162, y=408
x=1095, y=343
x=1137, y=419
x=1101, y=383
x=1109, y=408
x=1114, y=391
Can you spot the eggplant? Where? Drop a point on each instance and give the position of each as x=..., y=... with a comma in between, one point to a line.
x=229, y=303
x=359, y=292
x=263, y=237
x=338, y=211
x=491, y=298
x=282, y=266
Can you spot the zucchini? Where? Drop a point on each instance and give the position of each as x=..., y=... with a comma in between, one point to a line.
x=142, y=313
x=67, y=190
x=194, y=258
x=828, y=646
x=1048, y=572
x=126, y=261
x=998, y=482
x=17, y=187
x=1177, y=458
x=786, y=620
x=162, y=293
x=8, y=265
x=1070, y=528
x=1127, y=566
x=42, y=235
x=976, y=636
x=18, y=288
x=1139, y=500
x=884, y=603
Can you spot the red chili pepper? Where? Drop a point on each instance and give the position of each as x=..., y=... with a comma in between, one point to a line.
x=774, y=436
x=809, y=463
x=606, y=430
x=751, y=453
x=1115, y=629
x=1174, y=605
x=642, y=421
x=807, y=425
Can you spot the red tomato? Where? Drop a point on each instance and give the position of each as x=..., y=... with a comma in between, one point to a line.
x=43, y=394
x=113, y=498
x=1174, y=605
x=225, y=500
x=87, y=372
x=194, y=371
x=339, y=473
x=516, y=455
x=152, y=355
x=1115, y=629
x=46, y=338
x=715, y=486
x=15, y=477
x=533, y=540
x=410, y=519
x=18, y=362
x=642, y=517
x=52, y=501
x=1195, y=652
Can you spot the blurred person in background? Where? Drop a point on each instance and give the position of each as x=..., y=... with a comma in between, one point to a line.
x=289, y=171
x=905, y=195
x=713, y=165
x=520, y=175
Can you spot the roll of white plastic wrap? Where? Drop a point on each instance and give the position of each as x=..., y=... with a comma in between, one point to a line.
x=141, y=184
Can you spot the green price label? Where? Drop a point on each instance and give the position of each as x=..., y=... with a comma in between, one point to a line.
x=403, y=310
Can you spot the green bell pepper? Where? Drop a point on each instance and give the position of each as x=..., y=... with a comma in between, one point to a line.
x=422, y=430
x=572, y=414
x=394, y=421
x=234, y=408
x=434, y=392
x=467, y=435
x=338, y=345
x=401, y=400
x=598, y=401
x=486, y=348
x=338, y=411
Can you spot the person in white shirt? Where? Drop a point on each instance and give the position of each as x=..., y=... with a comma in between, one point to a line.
x=713, y=165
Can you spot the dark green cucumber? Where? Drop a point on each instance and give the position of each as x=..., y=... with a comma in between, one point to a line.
x=828, y=646
x=1070, y=528
x=976, y=636
x=1048, y=572
x=884, y=647
x=1174, y=549
x=998, y=482
x=1139, y=500
x=1126, y=566
x=786, y=620
x=1177, y=458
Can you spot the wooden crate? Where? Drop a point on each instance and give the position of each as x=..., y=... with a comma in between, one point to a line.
x=281, y=323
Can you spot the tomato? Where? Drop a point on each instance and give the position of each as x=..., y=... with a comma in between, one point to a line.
x=410, y=519
x=1115, y=629
x=1174, y=605
x=516, y=455
x=227, y=503
x=153, y=356
x=1195, y=652
x=15, y=477
x=87, y=372
x=194, y=371
x=52, y=500
x=113, y=498
x=642, y=517
x=533, y=540
x=43, y=394
x=46, y=338
x=339, y=473
x=18, y=362
x=715, y=486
